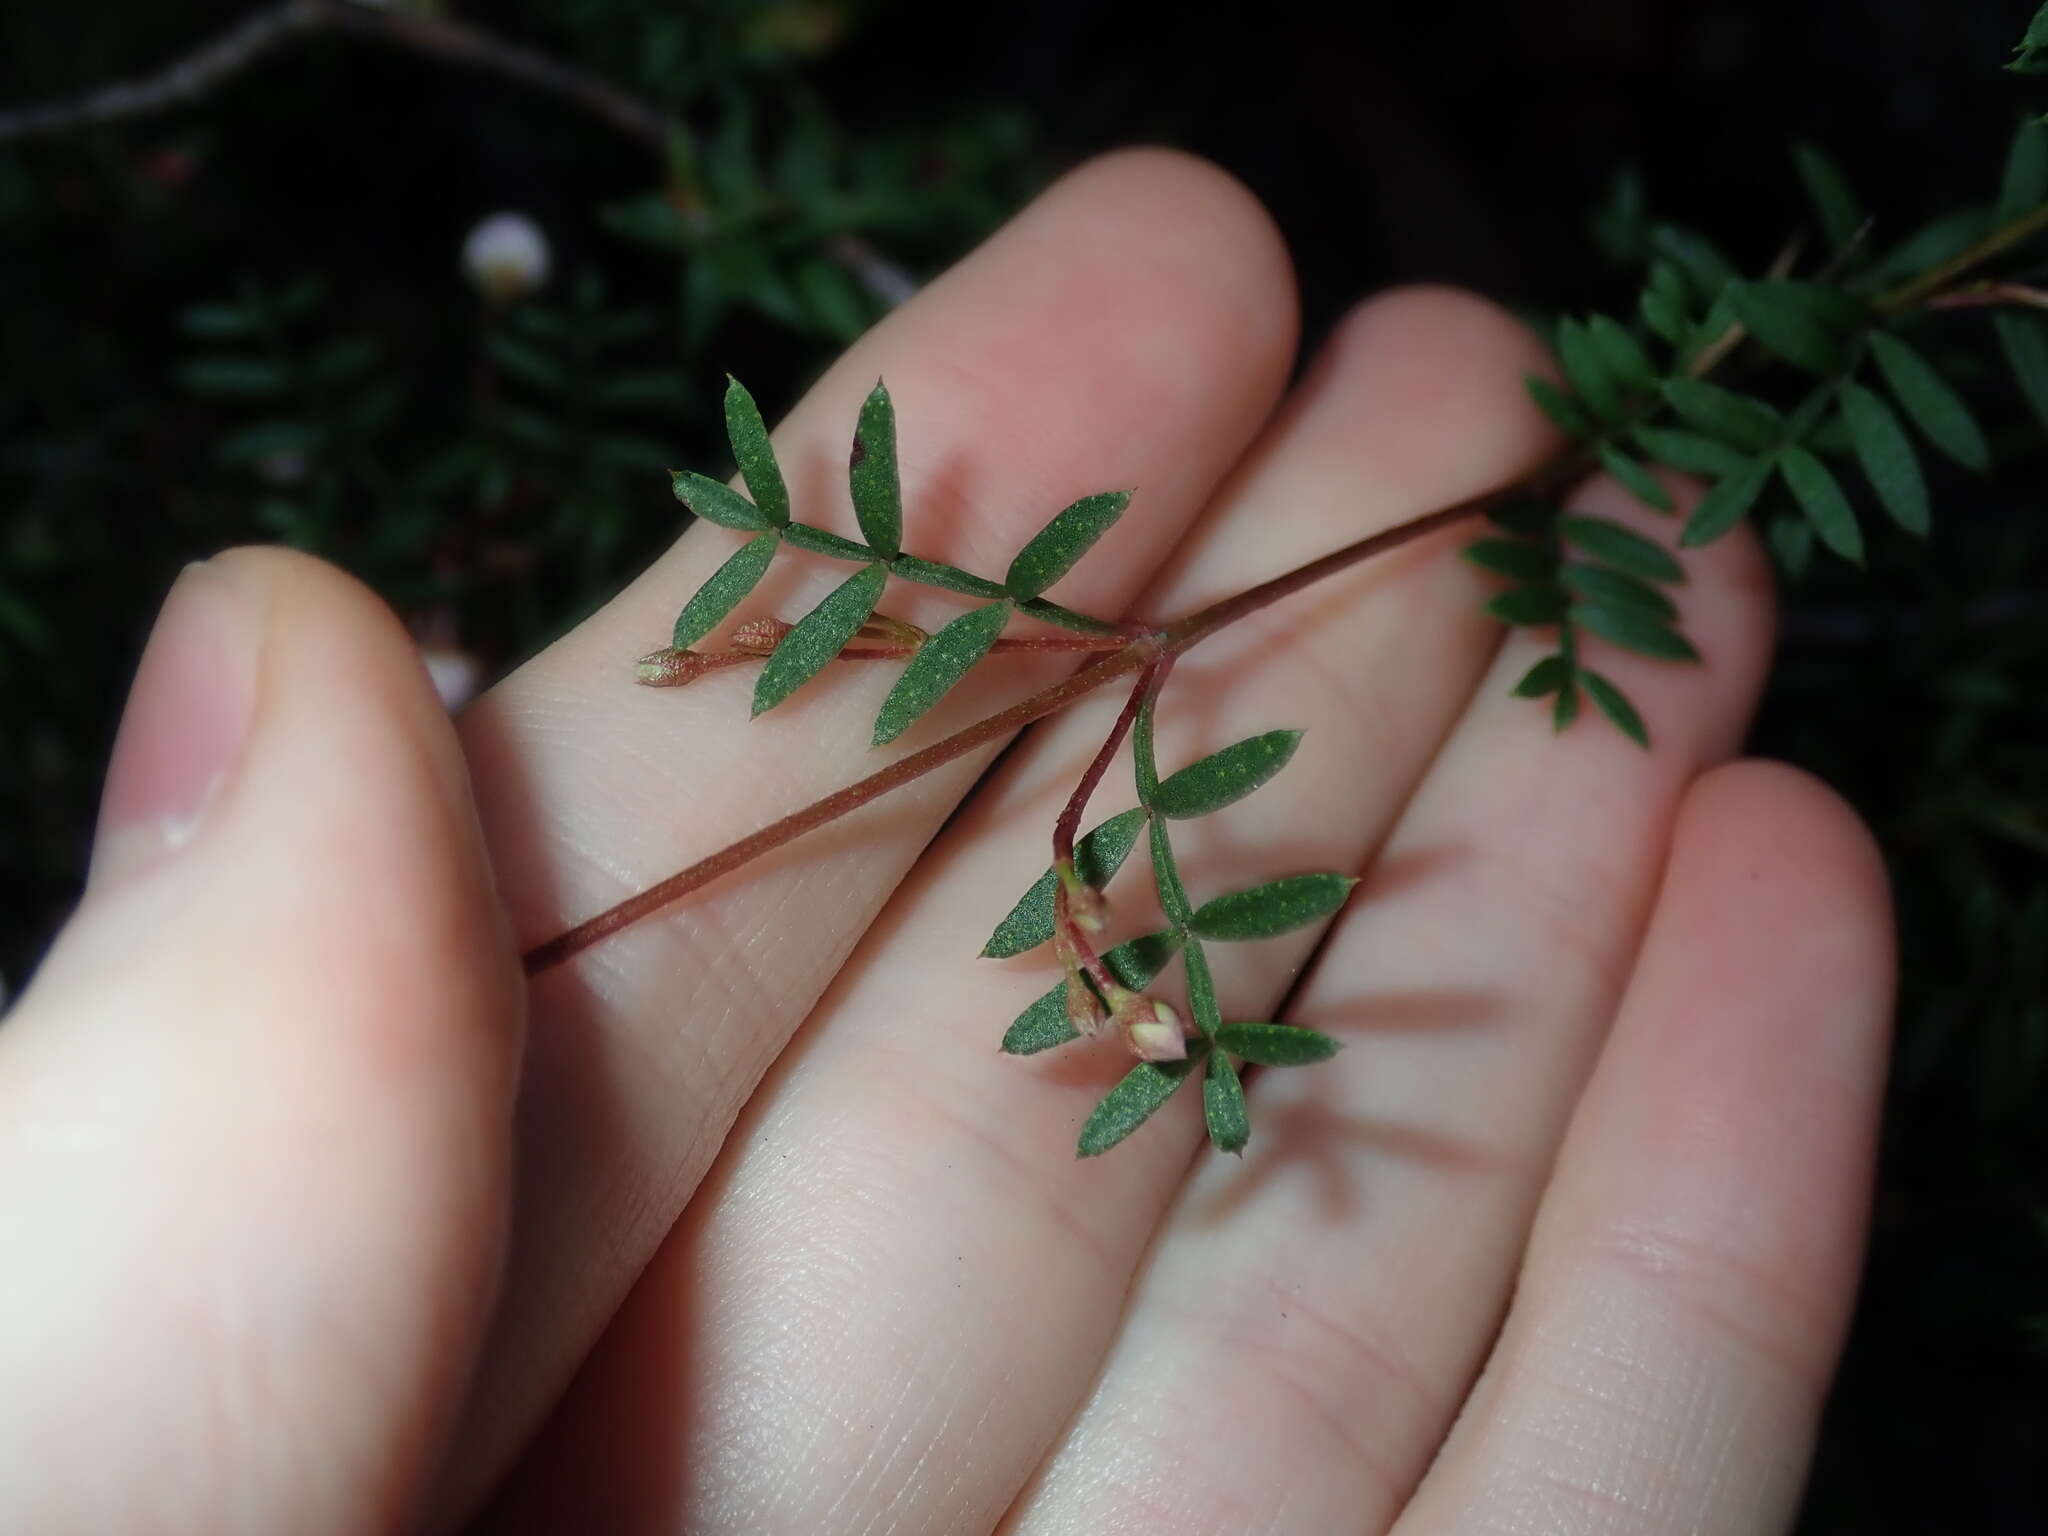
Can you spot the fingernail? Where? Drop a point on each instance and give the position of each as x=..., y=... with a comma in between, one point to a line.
x=182, y=730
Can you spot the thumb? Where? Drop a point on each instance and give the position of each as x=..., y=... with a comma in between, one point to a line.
x=255, y=1108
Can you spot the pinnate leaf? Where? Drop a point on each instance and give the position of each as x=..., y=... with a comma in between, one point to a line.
x=1727, y=503
x=1621, y=547
x=1224, y=777
x=1633, y=631
x=1144, y=1090
x=754, y=454
x=871, y=474
x=721, y=504
x=1097, y=857
x=1887, y=456
x=730, y=583
x=1614, y=704
x=1223, y=1106
x=819, y=636
x=1275, y=1045
x=1275, y=907
x=1928, y=398
x=940, y=662
x=1820, y=497
x=1055, y=548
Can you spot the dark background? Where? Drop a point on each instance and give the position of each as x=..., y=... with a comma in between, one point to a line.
x=1461, y=140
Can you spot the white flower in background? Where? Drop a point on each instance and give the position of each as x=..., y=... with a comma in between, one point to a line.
x=506, y=256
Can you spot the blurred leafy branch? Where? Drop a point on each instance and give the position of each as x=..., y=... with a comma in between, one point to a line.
x=474, y=457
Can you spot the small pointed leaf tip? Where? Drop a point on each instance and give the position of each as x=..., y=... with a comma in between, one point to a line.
x=1059, y=545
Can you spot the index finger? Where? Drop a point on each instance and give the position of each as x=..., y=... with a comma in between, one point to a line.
x=1132, y=328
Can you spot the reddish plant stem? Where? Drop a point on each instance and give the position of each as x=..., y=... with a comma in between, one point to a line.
x=1070, y=815
x=1136, y=654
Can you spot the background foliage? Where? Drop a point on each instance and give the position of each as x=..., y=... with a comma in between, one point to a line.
x=246, y=320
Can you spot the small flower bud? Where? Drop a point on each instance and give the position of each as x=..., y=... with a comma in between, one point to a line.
x=1152, y=1030
x=759, y=637
x=1085, y=905
x=506, y=256
x=671, y=668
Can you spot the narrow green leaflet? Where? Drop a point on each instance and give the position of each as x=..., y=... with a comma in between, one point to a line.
x=1618, y=589
x=1587, y=373
x=939, y=663
x=1275, y=1045
x=1275, y=907
x=1615, y=706
x=752, y=452
x=1621, y=547
x=817, y=541
x=1792, y=320
x=1544, y=679
x=1927, y=397
x=2026, y=348
x=1727, y=503
x=1632, y=473
x=1055, y=547
x=1620, y=353
x=1633, y=631
x=1560, y=407
x=871, y=474
x=2024, y=185
x=1841, y=216
x=1223, y=1106
x=1665, y=316
x=1132, y=1102
x=1689, y=451
x=1791, y=539
x=819, y=636
x=1044, y=1024
x=930, y=574
x=1201, y=989
x=1820, y=497
x=721, y=504
x=1173, y=893
x=1517, y=559
x=1737, y=420
x=731, y=582
x=1097, y=857
x=1566, y=709
x=1224, y=777
x=1887, y=456
x=1528, y=605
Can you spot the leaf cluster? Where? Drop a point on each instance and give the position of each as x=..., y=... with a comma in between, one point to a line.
x=1840, y=394
x=1260, y=911
x=940, y=660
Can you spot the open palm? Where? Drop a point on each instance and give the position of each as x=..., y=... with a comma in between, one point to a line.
x=774, y=1240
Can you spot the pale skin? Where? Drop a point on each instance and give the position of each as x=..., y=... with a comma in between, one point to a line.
x=319, y=1219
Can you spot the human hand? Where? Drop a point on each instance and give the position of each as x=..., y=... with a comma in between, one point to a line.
x=1564, y=1240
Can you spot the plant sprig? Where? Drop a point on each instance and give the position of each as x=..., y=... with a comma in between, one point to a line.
x=1832, y=377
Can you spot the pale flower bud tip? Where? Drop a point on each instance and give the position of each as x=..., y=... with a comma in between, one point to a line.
x=506, y=256
x=1153, y=1031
